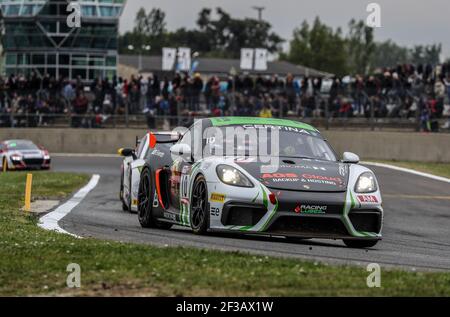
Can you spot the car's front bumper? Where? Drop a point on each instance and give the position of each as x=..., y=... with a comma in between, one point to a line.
x=330, y=215
x=29, y=164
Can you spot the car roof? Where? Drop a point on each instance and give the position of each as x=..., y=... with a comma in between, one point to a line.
x=228, y=121
x=17, y=141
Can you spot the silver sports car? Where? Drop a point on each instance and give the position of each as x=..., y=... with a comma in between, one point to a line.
x=23, y=155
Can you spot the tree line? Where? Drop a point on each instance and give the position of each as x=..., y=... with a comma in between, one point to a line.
x=317, y=45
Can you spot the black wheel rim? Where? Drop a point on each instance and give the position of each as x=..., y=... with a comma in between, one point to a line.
x=199, y=200
x=143, y=196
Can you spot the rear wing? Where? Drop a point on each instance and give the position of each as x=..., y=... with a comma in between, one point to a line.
x=163, y=138
x=160, y=138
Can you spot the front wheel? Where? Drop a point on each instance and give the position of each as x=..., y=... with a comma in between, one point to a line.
x=199, y=206
x=360, y=244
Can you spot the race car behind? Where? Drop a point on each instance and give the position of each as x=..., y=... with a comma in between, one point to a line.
x=23, y=155
x=133, y=162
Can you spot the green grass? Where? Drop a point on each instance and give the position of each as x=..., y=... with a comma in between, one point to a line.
x=439, y=169
x=34, y=261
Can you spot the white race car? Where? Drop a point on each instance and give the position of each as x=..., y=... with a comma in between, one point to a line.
x=133, y=162
x=23, y=155
x=309, y=193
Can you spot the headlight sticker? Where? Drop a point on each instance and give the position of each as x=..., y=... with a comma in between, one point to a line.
x=371, y=199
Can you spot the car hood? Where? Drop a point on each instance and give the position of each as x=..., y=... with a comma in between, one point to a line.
x=299, y=174
x=28, y=153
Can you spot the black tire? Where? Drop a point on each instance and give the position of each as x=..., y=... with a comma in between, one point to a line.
x=145, y=203
x=199, y=206
x=360, y=244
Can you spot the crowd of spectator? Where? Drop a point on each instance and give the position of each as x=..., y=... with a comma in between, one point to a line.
x=419, y=93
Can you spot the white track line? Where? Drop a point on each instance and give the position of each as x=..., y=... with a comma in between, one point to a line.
x=82, y=155
x=407, y=170
x=50, y=220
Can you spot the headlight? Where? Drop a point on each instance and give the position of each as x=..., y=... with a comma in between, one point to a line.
x=16, y=158
x=46, y=157
x=366, y=183
x=231, y=176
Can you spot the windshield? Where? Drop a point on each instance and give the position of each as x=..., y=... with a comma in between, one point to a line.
x=21, y=146
x=267, y=141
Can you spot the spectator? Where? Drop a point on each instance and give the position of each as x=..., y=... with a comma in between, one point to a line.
x=80, y=108
x=265, y=112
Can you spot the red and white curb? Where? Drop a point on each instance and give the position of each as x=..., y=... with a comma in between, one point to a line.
x=50, y=220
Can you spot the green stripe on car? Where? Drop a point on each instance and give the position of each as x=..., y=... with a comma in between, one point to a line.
x=227, y=121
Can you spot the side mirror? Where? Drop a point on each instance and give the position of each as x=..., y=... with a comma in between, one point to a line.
x=183, y=150
x=127, y=153
x=350, y=157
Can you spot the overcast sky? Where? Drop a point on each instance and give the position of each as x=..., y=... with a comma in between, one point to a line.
x=408, y=22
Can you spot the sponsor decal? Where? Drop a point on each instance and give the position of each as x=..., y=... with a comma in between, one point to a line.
x=305, y=167
x=215, y=212
x=158, y=153
x=224, y=121
x=324, y=178
x=186, y=169
x=342, y=170
x=368, y=199
x=155, y=200
x=217, y=198
x=281, y=177
x=135, y=202
x=169, y=216
x=318, y=179
x=310, y=209
x=280, y=180
x=279, y=127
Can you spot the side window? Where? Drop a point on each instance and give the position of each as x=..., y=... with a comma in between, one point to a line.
x=194, y=138
x=141, y=147
x=187, y=138
x=197, y=140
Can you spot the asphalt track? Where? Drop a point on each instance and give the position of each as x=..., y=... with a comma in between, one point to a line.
x=416, y=226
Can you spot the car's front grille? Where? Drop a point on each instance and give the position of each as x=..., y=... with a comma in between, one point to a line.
x=366, y=220
x=314, y=226
x=34, y=162
x=235, y=214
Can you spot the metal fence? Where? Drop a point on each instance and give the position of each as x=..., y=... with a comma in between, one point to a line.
x=162, y=122
x=350, y=111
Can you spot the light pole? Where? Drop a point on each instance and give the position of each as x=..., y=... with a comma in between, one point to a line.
x=143, y=48
x=260, y=11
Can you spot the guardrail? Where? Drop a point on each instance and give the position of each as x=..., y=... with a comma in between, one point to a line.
x=382, y=145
